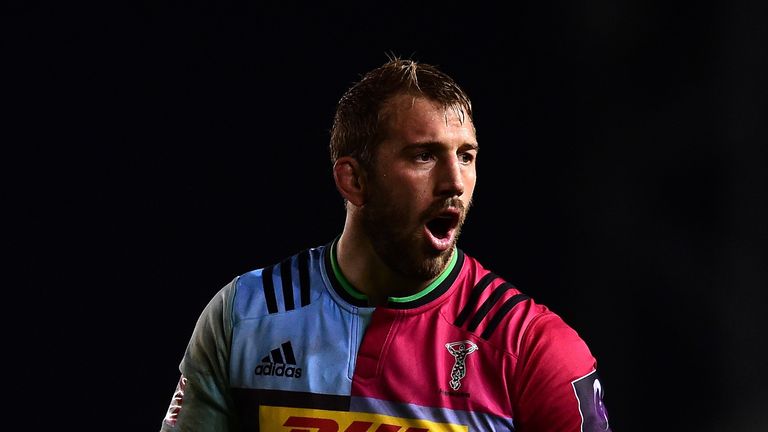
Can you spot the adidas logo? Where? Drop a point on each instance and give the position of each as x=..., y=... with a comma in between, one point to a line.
x=278, y=363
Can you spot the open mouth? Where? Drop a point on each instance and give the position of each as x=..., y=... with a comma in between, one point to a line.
x=442, y=226
x=441, y=229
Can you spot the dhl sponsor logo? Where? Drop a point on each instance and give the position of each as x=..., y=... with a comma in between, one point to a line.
x=285, y=419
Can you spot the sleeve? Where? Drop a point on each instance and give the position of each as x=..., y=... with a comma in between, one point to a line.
x=202, y=401
x=558, y=387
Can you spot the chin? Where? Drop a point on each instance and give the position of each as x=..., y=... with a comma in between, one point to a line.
x=434, y=263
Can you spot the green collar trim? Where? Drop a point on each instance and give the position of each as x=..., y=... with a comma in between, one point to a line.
x=352, y=291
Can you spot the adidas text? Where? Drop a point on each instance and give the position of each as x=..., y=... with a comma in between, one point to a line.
x=278, y=369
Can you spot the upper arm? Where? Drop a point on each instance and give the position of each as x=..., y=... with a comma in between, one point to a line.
x=202, y=401
x=557, y=381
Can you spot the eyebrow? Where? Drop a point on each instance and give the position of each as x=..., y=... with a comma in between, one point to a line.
x=472, y=146
x=432, y=145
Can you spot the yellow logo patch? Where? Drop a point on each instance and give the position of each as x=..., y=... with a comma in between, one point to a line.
x=314, y=420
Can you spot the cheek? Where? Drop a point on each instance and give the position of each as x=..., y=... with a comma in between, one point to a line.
x=470, y=179
x=470, y=183
x=409, y=185
x=411, y=196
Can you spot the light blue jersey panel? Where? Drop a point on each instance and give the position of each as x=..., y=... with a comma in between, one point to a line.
x=290, y=332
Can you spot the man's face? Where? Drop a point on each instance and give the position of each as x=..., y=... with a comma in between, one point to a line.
x=421, y=186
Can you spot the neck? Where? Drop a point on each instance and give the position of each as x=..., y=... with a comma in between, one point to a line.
x=365, y=270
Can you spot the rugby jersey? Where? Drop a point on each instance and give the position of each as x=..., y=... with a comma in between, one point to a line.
x=294, y=347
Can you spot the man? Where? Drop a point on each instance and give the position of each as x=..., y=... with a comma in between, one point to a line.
x=390, y=326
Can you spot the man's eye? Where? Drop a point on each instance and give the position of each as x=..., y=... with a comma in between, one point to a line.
x=467, y=157
x=424, y=157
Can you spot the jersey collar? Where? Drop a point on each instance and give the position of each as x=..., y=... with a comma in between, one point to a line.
x=350, y=294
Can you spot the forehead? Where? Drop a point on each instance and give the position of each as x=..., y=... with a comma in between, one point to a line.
x=414, y=118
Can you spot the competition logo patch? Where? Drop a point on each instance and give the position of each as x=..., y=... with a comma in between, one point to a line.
x=279, y=362
x=175, y=407
x=284, y=419
x=589, y=393
x=459, y=350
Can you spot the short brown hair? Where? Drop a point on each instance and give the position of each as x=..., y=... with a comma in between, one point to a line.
x=357, y=124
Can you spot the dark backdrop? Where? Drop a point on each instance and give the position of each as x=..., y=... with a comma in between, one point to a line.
x=156, y=151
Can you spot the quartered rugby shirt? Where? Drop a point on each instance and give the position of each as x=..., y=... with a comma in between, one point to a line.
x=294, y=347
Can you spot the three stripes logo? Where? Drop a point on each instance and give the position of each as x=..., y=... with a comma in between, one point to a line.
x=279, y=362
x=484, y=311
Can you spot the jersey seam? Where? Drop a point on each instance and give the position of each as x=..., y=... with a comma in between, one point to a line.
x=533, y=322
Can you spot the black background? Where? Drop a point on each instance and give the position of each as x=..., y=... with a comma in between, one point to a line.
x=154, y=151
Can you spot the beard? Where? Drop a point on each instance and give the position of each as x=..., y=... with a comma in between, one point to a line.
x=400, y=243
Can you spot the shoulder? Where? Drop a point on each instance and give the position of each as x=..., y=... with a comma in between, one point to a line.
x=490, y=306
x=290, y=284
x=495, y=309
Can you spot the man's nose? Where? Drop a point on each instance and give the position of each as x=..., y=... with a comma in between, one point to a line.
x=451, y=181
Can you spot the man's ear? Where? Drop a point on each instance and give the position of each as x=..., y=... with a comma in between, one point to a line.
x=350, y=180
